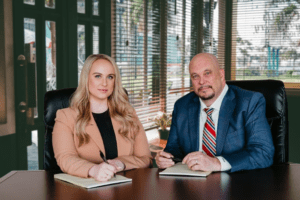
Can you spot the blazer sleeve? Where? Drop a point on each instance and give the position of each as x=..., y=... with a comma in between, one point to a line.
x=259, y=149
x=141, y=157
x=173, y=147
x=64, y=146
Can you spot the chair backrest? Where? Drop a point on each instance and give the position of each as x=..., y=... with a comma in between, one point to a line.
x=276, y=112
x=54, y=100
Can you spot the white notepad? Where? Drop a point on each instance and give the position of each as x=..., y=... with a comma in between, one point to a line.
x=90, y=182
x=180, y=169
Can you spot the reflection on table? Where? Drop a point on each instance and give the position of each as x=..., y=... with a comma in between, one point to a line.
x=276, y=182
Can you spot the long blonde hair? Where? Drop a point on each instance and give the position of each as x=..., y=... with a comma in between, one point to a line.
x=119, y=106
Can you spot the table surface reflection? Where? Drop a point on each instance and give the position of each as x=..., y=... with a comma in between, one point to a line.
x=276, y=182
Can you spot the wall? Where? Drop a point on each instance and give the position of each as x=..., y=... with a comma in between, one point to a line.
x=7, y=137
x=7, y=65
x=8, y=154
x=294, y=127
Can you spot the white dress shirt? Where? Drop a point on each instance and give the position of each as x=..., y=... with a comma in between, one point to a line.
x=225, y=165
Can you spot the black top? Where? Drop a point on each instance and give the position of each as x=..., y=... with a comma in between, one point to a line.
x=106, y=129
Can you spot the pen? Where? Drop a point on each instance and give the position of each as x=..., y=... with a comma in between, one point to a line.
x=104, y=159
x=175, y=160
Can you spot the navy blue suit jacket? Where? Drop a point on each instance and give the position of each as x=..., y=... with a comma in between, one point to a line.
x=244, y=137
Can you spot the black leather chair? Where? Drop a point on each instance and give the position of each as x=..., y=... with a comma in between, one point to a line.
x=54, y=100
x=276, y=112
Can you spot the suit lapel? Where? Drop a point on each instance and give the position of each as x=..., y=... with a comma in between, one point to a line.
x=93, y=131
x=226, y=111
x=194, y=123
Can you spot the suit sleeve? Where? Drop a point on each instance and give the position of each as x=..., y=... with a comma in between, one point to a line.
x=141, y=157
x=64, y=147
x=258, y=151
x=173, y=145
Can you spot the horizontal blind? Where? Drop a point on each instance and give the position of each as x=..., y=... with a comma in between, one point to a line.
x=266, y=40
x=136, y=49
x=178, y=51
x=214, y=29
x=151, y=44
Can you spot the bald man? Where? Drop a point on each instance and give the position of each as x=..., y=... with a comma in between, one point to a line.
x=218, y=127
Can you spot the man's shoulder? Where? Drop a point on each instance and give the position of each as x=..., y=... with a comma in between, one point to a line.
x=187, y=98
x=244, y=97
x=243, y=93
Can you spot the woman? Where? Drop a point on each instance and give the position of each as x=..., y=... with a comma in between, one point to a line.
x=99, y=118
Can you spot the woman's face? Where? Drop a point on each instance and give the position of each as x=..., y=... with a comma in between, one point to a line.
x=101, y=81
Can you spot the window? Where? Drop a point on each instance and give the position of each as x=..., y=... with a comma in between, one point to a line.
x=153, y=42
x=90, y=30
x=266, y=40
x=151, y=46
x=178, y=51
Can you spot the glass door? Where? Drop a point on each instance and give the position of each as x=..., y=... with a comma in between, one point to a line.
x=51, y=42
x=35, y=73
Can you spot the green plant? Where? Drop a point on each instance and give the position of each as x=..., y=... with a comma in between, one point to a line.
x=163, y=120
x=289, y=73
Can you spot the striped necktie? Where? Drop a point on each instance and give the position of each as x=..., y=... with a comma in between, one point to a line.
x=209, y=134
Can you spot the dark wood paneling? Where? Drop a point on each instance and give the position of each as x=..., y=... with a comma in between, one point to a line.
x=294, y=128
x=8, y=154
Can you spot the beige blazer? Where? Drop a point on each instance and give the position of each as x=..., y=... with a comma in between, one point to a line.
x=74, y=160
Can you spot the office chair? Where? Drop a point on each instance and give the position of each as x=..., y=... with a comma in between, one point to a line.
x=276, y=112
x=54, y=100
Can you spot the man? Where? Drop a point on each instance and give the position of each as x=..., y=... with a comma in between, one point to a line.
x=218, y=127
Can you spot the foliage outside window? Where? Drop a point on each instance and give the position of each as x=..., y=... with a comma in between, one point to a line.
x=266, y=40
x=153, y=43
x=152, y=47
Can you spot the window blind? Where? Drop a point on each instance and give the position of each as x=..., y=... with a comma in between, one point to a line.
x=152, y=47
x=266, y=40
x=214, y=29
x=179, y=51
x=136, y=49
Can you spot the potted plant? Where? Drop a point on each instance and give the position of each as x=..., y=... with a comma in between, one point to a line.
x=163, y=121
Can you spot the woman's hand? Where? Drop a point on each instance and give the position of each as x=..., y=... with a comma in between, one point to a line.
x=118, y=164
x=164, y=160
x=102, y=172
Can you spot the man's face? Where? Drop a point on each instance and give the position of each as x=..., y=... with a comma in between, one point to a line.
x=207, y=78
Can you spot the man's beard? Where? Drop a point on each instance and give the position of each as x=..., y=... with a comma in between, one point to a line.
x=206, y=98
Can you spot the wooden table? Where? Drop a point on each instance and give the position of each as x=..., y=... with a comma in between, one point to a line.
x=276, y=182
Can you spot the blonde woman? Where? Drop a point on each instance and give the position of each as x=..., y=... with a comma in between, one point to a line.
x=99, y=119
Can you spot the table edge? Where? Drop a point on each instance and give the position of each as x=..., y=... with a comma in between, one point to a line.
x=3, y=178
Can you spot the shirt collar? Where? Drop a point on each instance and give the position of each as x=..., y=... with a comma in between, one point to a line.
x=217, y=104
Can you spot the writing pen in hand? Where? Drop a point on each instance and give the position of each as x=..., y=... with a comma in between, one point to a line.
x=175, y=160
x=104, y=159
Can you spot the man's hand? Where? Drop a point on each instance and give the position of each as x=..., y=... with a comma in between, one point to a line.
x=164, y=160
x=200, y=161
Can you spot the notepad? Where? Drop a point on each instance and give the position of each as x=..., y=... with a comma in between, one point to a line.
x=90, y=182
x=180, y=169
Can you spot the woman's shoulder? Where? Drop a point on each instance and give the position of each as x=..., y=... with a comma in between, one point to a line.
x=66, y=112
